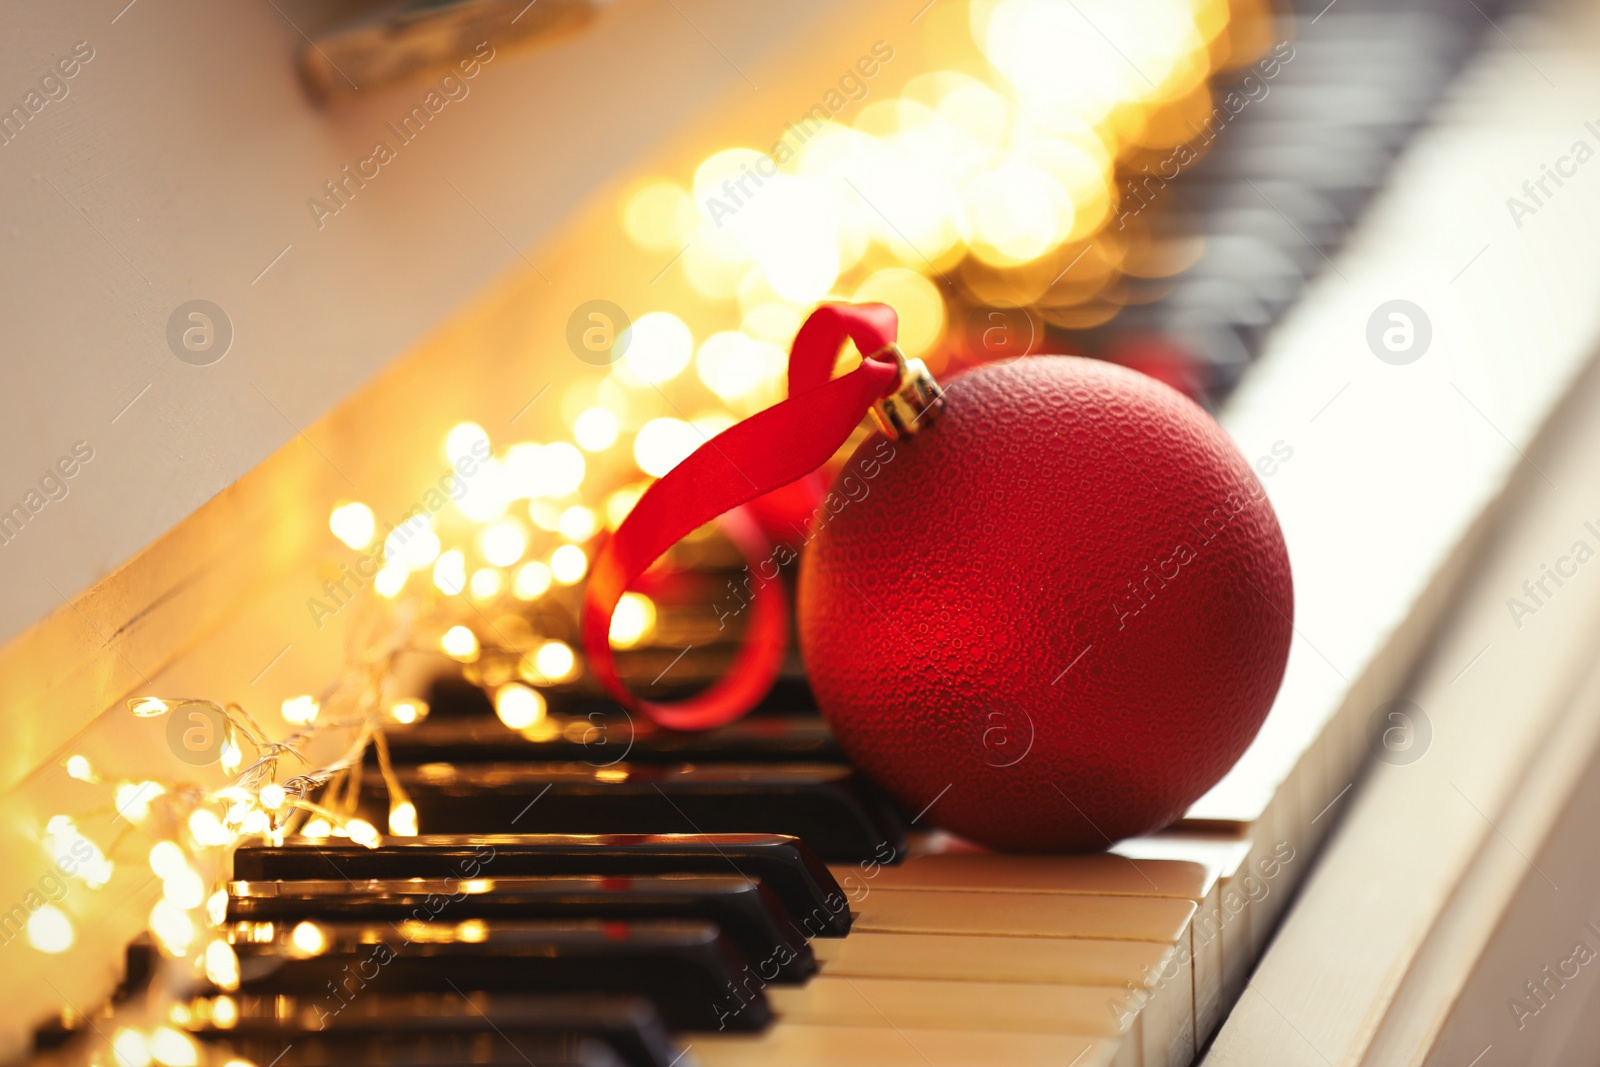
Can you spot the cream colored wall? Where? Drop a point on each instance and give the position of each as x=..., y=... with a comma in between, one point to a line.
x=178, y=166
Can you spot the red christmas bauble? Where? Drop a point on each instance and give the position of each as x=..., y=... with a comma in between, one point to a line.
x=1058, y=614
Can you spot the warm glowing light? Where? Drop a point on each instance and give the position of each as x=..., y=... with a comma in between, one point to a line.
x=503, y=543
x=460, y=643
x=532, y=581
x=225, y=1013
x=486, y=583
x=403, y=819
x=173, y=1049
x=578, y=523
x=662, y=444
x=412, y=545
x=472, y=931
x=354, y=524
x=633, y=620
x=185, y=889
x=564, y=467
x=231, y=757
x=523, y=467
x=307, y=939
x=49, y=930
x=733, y=365
x=656, y=348
x=317, y=828
x=273, y=796
x=167, y=859
x=172, y=927
x=518, y=706
x=222, y=966
x=389, y=581
x=362, y=832
x=149, y=707
x=466, y=439
x=568, y=564
x=450, y=573
x=555, y=661
x=409, y=711
x=595, y=430
x=207, y=829
x=133, y=799
x=78, y=767
x=660, y=216
x=217, y=907
x=300, y=710
x=130, y=1048
x=921, y=308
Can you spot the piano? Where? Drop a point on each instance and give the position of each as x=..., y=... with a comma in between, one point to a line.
x=1399, y=870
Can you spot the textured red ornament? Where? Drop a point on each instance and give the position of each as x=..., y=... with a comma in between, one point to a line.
x=1058, y=614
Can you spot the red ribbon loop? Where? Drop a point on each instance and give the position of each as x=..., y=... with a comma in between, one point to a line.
x=767, y=451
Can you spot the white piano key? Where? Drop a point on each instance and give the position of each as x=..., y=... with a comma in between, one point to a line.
x=800, y=1045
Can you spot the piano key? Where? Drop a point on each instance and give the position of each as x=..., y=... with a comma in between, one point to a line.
x=606, y=736
x=956, y=1005
x=1013, y=914
x=980, y=958
x=743, y=909
x=783, y=864
x=803, y=1045
x=381, y=1028
x=830, y=807
x=693, y=975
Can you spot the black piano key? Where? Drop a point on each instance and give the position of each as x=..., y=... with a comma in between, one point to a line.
x=746, y=911
x=828, y=806
x=431, y=1028
x=607, y=735
x=787, y=866
x=694, y=975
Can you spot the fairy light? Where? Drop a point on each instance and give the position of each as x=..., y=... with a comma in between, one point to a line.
x=633, y=619
x=568, y=564
x=230, y=757
x=403, y=819
x=222, y=965
x=171, y=1048
x=49, y=930
x=555, y=660
x=486, y=583
x=503, y=543
x=465, y=440
x=273, y=795
x=217, y=907
x=532, y=581
x=405, y=712
x=362, y=832
x=518, y=706
x=354, y=524
x=450, y=572
x=149, y=707
x=300, y=710
x=460, y=643
x=174, y=930
x=620, y=503
x=185, y=889
x=564, y=469
x=662, y=444
x=78, y=767
x=595, y=430
x=733, y=364
x=130, y=1048
x=656, y=348
x=75, y=854
x=133, y=799
x=578, y=523
x=316, y=829
x=389, y=581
